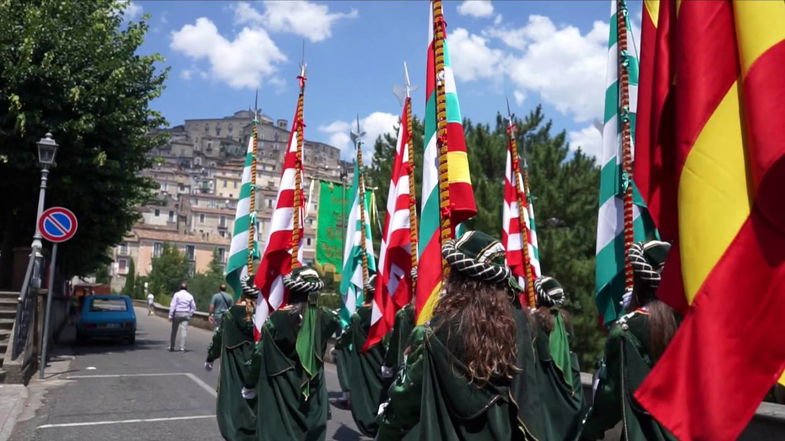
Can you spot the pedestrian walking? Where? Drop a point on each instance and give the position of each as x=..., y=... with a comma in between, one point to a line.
x=219, y=304
x=469, y=372
x=233, y=342
x=636, y=342
x=150, y=302
x=181, y=309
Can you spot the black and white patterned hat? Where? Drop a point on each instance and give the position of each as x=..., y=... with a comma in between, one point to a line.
x=249, y=289
x=303, y=280
x=549, y=291
x=648, y=260
x=478, y=256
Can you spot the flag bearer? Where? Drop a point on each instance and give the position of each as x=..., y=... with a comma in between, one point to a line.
x=233, y=342
x=636, y=342
x=559, y=375
x=288, y=364
x=364, y=368
x=469, y=373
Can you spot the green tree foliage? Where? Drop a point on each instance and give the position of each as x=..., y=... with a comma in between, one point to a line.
x=169, y=270
x=204, y=285
x=564, y=186
x=130, y=287
x=102, y=275
x=72, y=68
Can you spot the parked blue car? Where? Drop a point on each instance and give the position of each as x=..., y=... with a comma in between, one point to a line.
x=107, y=316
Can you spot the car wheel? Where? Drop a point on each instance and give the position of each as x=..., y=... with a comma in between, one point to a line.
x=132, y=340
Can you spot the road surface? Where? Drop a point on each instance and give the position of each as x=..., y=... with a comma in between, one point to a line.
x=114, y=391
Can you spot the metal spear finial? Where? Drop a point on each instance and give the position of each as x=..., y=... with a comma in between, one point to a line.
x=303, y=65
x=256, y=107
x=510, y=115
x=403, y=92
x=357, y=135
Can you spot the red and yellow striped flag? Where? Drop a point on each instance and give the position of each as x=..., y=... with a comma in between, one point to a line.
x=715, y=178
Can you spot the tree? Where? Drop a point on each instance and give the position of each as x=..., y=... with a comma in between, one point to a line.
x=204, y=285
x=73, y=68
x=169, y=270
x=130, y=287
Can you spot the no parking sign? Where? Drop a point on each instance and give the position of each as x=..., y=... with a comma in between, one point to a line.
x=57, y=224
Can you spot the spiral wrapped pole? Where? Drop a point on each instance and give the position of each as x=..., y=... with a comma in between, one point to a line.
x=626, y=137
x=412, y=198
x=439, y=35
x=361, y=198
x=519, y=195
x=252, y=208
x=298, y=174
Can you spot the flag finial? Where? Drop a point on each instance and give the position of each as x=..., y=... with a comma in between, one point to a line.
x=403, y=92
x=357, y=135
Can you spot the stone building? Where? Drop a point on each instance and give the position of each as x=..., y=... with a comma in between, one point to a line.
x=199, y=174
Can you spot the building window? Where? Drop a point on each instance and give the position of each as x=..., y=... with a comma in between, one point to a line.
x=235, y=184
x=123, y=249
x=190, y=250
x=171, y=216
x=222, y=222
x=308, y=241
x=158, y=249
x=222, y=255
x=269, y=203
x=157, y=212
x=201, y=217
x=122, y=266
x=226, y=183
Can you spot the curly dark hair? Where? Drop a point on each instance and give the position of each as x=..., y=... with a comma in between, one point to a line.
x=663, y=320
x=480, y=314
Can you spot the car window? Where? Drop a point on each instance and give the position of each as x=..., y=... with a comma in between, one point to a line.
x=108, y=305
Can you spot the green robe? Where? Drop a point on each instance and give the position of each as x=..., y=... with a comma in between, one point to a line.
x=233, y=342
x=404, y=323
x=627, y=362
x=431, y=398
x=291, y=405
x=343, y=346
x=561, y=394
x=365, y=381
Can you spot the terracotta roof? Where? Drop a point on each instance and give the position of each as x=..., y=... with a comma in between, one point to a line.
x=227, y=211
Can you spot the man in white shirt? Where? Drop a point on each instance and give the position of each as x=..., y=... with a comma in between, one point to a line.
x=150, y=301
x=180, y=311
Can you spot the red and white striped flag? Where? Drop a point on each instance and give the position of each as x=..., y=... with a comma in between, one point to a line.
x=511, y=228
x=394, y=279
x=277, y=256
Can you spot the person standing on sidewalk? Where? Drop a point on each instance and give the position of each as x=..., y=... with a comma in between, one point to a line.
x=180, y=311
x=220, y=303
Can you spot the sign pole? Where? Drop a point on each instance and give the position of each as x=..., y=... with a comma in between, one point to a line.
x=45, y=336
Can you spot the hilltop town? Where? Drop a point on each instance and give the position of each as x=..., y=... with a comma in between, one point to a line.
x=198, y=172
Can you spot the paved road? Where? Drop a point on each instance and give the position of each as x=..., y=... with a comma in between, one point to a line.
x=113, y=391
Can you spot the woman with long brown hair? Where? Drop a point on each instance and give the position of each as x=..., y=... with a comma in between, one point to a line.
x=634, y=345
x=465, y=371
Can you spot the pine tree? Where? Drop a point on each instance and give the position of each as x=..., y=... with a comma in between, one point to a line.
x=130, y=288
x=169, y=270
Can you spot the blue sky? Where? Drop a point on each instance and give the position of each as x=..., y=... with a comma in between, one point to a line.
x=219, y=52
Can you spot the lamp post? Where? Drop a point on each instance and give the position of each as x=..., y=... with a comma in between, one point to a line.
x=47, y=149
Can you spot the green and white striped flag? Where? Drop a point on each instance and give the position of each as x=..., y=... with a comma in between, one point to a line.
x=352, y=274
x=238, y=251
x=609, y=270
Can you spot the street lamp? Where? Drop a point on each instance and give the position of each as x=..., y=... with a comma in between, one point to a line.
x=47, y=150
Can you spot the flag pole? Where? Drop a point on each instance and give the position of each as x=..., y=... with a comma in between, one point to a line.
x=357, y=137
x=298, y=173
x=406, y=100
x=439, y=35
x=252, y=211
x=626, y=137
x=519, y=189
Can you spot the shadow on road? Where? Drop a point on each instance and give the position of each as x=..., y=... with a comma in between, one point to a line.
x=346, y=433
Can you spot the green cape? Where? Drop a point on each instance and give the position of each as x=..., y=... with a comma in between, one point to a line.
x=233, y=342
x=404, y=323
x=431, y=398
x=627, y=362
x=292, y=402
x=559, y=382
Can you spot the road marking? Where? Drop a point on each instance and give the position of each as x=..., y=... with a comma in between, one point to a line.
x=140, y=420
x=193, y=378
x=201, y=383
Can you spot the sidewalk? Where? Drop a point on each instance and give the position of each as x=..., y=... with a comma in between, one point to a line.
x=18, y=403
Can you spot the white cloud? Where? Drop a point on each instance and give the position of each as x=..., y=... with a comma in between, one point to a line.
x=476, y=8
x=186, y=74
x=498, y=20
x=472, y=59
x=374, y=125
x=565, y=67
x=241, y=63
x=519, y=97
x=132, y=10
x=589, y=139
x=309, y=20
